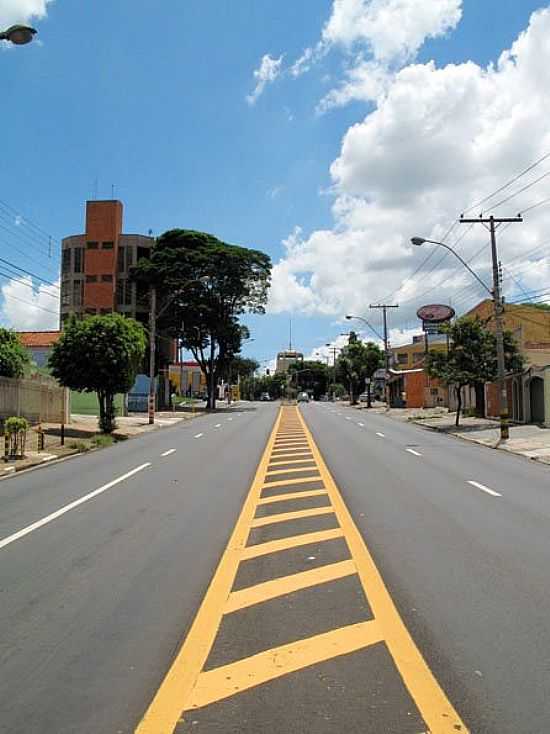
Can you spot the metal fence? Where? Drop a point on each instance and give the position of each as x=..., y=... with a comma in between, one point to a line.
x=39, y=400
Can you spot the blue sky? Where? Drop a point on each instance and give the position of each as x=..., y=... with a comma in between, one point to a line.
x=154, y=103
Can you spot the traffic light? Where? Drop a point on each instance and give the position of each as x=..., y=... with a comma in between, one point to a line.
x=267, y=371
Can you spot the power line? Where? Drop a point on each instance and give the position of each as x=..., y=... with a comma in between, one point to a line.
x=18, y=279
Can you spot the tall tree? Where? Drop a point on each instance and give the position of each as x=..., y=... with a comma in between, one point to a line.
x=204, y=285
x=311, y=376
x=357, y=362
x=100, y=354
x=14, y=359
x=472, y=357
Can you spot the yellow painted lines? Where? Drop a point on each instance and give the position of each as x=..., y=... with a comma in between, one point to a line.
x=287, y=462
x=188, y=686
x=292, y=496
x=294, y=541
x=259, y=522
x=217, y=684
x=287, y=584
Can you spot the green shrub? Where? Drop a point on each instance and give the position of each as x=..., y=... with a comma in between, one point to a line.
x=79, y=446
x=16, y=425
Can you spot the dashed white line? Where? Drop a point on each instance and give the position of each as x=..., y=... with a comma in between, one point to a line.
x=230, y=419
x=348, y=418
x=382, y=435
x=361, y=424
x=412, y=451
x=199, y=435
x=170, y=451
x=67, y=508
x=484, y=488
x=218, y=425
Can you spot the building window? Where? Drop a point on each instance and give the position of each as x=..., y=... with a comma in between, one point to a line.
x=91, y=245
x=107, y=278
x=66, y=293
x=128, y=291
x=120, y=259
x=66, y=260
x=403, y=358
x=77, y=292
x=79, y=260
x=129, y=257
x=91, y=279
x=107, y=245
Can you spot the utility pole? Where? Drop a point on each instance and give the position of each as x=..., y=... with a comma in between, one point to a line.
x=384, y=307
x=334, y=350
x=493, y=223
x=152, y=349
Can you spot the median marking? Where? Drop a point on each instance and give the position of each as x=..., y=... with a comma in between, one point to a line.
x=71, y=506
x=169, y=452
x=188, y=686
x=483, y=488
x=361, y=424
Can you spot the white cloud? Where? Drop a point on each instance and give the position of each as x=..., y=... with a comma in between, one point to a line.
x=268, y=71
x=21, y=11
x=29, y=308
x=436, y=140
x=392, y=30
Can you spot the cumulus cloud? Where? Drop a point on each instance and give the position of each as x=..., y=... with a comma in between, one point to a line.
x=21, y=11
x=29, y=308
x=437, y=140
x=267, y=72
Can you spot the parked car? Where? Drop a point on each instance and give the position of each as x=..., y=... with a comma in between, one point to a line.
x=364, y=397
x=303, y=397
x=265, y=396
x=324, y=398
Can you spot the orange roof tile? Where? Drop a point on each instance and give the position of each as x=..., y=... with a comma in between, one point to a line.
x=38, y=338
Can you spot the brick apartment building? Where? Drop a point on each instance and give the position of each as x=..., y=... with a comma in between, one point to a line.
x=95, y=266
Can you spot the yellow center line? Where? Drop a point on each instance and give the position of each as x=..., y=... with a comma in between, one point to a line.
x=293, y=541
x=292, y=470
x=292, y=496
x=220, y=683
x=287, y=584
x=165, y=709
x=290, y=482
x=259, y=522
x=434, y=706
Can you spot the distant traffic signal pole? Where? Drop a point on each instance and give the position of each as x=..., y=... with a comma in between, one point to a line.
x=496, y=296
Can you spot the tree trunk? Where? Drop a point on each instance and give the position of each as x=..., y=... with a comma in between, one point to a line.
x=458, y=391
x=101, y=401
x=106, y=411
x=369, y=401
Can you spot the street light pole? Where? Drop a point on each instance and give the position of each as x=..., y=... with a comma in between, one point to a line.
x=498, y=307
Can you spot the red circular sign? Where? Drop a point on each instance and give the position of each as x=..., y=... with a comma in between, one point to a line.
x=435, y=313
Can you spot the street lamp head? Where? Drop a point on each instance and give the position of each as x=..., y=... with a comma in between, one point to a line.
x=417, y=241
x=18, y=34
x=349, y=316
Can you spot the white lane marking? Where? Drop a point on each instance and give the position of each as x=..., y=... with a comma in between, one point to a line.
x=361, y=424
x=348, y=418
x=382, y=435
x=199, y=435
x=230, y=419
x=412, y=451
x=67, y=508
x=170, y=451
x=218, y=425
x=484, y=488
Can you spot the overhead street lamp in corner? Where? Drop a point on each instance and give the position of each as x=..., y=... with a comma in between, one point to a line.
x=19, y=35
x=494, y=292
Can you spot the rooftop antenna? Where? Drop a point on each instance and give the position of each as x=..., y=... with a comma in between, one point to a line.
x=290, y=334
x=112, y=191
x=96, y=185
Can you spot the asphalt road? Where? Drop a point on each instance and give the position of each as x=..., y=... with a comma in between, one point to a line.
x=94, y=603
x=469, y=570
x=106, y=559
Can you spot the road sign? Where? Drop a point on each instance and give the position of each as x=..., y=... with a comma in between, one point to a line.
x=435, y=313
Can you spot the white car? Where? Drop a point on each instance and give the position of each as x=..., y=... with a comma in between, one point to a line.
x=303, y=397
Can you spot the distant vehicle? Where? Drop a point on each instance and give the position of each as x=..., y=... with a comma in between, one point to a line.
x=324, y=398
x=265, y=396
x=303, y=397
x=364, y=397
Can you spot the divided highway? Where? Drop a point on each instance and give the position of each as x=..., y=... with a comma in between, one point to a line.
x=326, y=569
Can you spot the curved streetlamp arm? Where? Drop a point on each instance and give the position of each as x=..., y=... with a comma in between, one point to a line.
x=360, y=318
x=468, y=268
